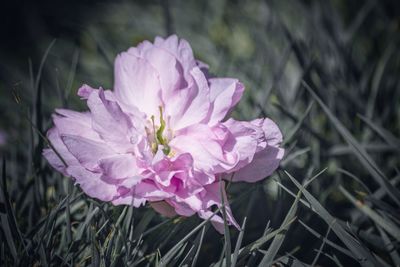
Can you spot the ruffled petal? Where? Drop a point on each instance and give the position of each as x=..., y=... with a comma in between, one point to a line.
x=119, y=166
x=273, y=135
x=246, y=139
x=169, y=70
x=52, y=157
x=225, y=93
x=191, y=105
x=264, y=164
x=111, y=123
x=92, y=184
x=212, y=197
x=187, y=206
x=148, y=190
x=129, y=200
x=266, y=161
x=180, y=49
x=137, y=83
x=75, y=123
x=163, y=208
x=86, y=151
x=206, y=145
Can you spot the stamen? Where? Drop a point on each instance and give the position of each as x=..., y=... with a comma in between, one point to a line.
x=166, y=149
x=154, y=145
x=160, y=130
x=159, y=139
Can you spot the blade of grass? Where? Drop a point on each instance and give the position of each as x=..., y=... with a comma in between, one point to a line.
x=294, y=155
x=186, y=260
x=340, y=150
x=144, y=222
x=238, y=243
x=8, y=235
x=362, y=254
x=381, y=192
x=261, y=241
x=199, y=244
x=383, y=133
x=71, y=76
x=358, y=150
x=84, y=226
x=278, y=240
x=327, y=241
x=321, y=247
x=168, y=256
x=227, y=236
x=68, y=221
x=297, y=126
x=386, y=224
x=305, y=125
x=42, y=62
x=174, y=261
x=292, y=261
x=389, y=246
x=333, y=258
x=9, y=218
x=376, y=79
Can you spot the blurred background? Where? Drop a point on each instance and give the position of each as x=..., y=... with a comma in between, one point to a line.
x=327, y=72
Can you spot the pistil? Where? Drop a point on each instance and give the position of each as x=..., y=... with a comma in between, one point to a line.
x=158, y=135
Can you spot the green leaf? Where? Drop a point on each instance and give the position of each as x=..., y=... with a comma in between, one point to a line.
x=227, y=236
x=238, y=243
x=385, y=223
x=364, y=257
x=358, y=150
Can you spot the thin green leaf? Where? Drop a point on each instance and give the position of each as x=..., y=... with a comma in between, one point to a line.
x=386, y=224
x=227, y=236
x=383, y=133
x=358, y=150
x=278, y=240
x=238, y=243
x=315, y=260
x=168, y=256
x=199, y=244
x=364, y=257
x=297, y=126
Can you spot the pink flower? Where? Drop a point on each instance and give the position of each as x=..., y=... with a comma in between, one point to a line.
x=162, y=136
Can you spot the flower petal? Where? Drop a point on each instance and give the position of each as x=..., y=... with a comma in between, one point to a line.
x=119, y=166
x=181, y=50
x=168, y=69
x=111, y=123
x=148, y=190
x=129, y=200
x=203, y=143
x=272, y=133
x=265, y=161
x=246, y=138
x=212, y=197
x=225, y=93
x=87, y=152
x=136, y=83
x=163, y=208
x=52, y=157
x=191, y=105
x=75, y=123
x=92, y=184
x=264, y=164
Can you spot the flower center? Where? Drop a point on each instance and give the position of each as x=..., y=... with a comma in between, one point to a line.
x=156, y=137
